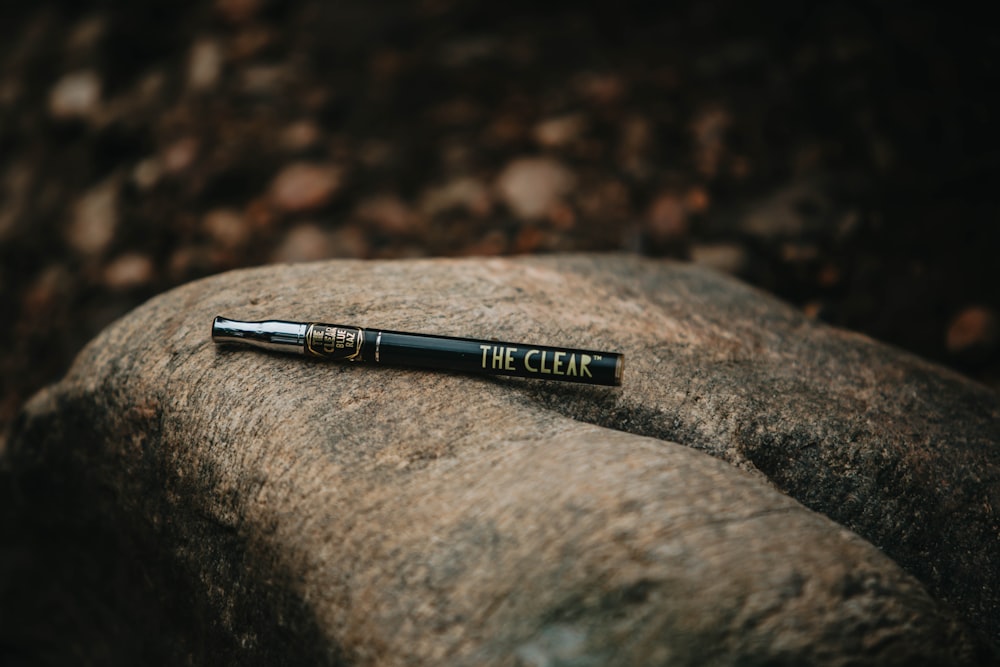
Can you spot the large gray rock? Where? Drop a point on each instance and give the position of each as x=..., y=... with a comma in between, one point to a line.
x=186, y=503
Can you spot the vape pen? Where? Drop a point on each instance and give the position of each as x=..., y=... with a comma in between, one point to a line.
x=395, y=348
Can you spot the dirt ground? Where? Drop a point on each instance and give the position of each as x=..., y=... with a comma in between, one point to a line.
x=840, y=155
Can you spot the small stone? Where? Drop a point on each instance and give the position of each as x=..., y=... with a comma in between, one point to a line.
x=531, y=186
x=606, y=200
x=974, y=327
x=636, y=135
x=724, y=257
x=456, y=156
x=147, y=173
x=828, y=275
x=562, y=217
x=204, y=64
x=507, y=128
x=529, y=239
x=493, y=243
x=226, y=227
x=696, y=200
x=667, y=218
x=812, y=309
x=150, y=88
x=560, y=131
x=787, y=212
x=190, y=261
x=303, y=243
x=304, y=186
x=740, y=167
x=51, y=286
x=127, y=271
x=709, y=129
x=388, y=214
x=264, y=80
x=348, y=242
x=76, y=95
x=850, y=223
x=249, y=42
x=180, y=155
x=798, y=253
x=600, y=88
x=466, y=192
x=400, y=251
x=376, y=153
x=95, y=217
x=300, y=135
x=259, y=214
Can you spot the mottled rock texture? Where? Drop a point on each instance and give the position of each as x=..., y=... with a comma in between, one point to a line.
x=175, y=501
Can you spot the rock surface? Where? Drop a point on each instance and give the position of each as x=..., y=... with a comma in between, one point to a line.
x=179, y=502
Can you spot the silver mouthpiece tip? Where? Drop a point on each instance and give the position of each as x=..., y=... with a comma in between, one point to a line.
x=274, y=335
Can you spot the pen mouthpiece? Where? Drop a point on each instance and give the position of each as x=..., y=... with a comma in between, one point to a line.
x=276, y=335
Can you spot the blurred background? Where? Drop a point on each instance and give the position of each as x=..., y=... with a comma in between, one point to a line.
x=840, y=155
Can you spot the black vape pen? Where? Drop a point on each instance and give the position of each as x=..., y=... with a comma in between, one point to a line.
x=395, y=348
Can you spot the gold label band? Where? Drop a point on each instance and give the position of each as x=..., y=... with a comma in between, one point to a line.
x=331, y=341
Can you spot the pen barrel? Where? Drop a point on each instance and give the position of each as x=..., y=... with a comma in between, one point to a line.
x=492, y=357
x=395, y=348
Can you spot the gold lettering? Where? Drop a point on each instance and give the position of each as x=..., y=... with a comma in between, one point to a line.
x=329, y=344
x=509, y=359
x=557, y=363
x=527, y=357
x=486, y=350
x=584, y=360
x=571, y=368
x=497, y=357
x=547, y=371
